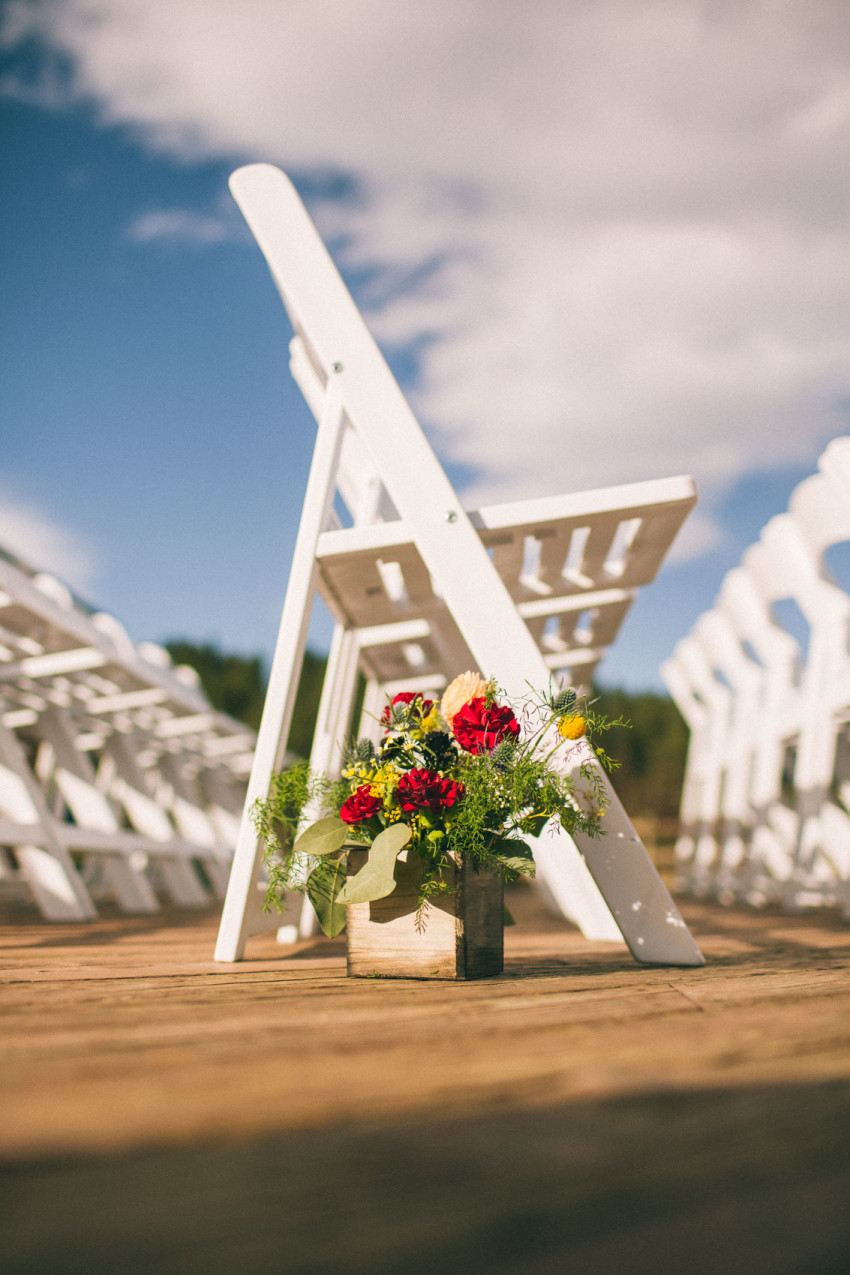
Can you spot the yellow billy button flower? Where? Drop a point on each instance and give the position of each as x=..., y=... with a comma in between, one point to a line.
x=573, y=726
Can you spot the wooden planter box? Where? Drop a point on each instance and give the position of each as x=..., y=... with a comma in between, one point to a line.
x=463, y=935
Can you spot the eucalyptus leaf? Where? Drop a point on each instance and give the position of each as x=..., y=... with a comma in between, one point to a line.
x=376, y=879
x=323, y=837
x=323, y=887
x=514, y=855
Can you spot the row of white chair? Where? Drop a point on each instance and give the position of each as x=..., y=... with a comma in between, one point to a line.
x=117, y=779
x=767, y=786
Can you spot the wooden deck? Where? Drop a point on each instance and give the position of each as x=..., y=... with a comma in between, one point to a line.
x=162, y=1113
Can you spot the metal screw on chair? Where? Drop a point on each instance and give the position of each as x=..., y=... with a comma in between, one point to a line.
x=451, y=516
x=336, y=367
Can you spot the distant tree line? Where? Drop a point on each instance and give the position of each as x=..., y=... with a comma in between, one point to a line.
x=651, y=752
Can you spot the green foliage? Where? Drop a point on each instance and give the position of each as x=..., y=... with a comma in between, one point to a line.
x=514, y=855
x=276, y=821
x=451, y=797
x=376, y=879
x=326, y=836
x=323, y=888
x=508, y=794
x=514, y=794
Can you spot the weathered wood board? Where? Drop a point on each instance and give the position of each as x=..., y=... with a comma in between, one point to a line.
x=163, y=1112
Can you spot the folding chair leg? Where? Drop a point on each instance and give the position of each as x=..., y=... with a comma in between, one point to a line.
x=182, y=883
x=242, y=913
x=219, y=874
x=564, y=879
x=111, y=876
x=55, y=884
x=332, y=722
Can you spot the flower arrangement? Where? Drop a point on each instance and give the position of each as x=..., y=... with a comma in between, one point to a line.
x=474, y=776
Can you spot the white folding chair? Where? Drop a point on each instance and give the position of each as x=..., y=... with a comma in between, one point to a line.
x=454, y=584
x=771, y=718
x=819, y=514
x=196, y=823
x=73, y=686
x=744, y=677
x=786, y=744
x=67, y=770
x=693, y=670
x=42, y=860
x=690, y=704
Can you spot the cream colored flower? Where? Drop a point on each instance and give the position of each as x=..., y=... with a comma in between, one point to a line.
x=465, y=687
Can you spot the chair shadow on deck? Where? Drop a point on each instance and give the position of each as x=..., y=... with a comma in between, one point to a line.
x=749, y=1178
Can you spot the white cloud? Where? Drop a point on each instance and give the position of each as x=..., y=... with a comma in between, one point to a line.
x=177, y=224
x=40, y=542
x=634, y=215
x=700, y=534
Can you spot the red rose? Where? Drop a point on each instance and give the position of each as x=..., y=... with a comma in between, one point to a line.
x=360, y=805
x=406, y=697
x=478, y=729
x=420, y=788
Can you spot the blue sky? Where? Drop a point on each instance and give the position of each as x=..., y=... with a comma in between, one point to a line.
x=622, y=227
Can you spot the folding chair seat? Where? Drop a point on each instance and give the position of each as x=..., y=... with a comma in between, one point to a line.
x=420, y=589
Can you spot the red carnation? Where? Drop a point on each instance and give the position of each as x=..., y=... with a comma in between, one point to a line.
x=478, y=729
x=406, y=697
x=421, y=788
x=360, y=805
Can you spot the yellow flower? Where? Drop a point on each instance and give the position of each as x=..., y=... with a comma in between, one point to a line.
x=465, y=687
x=384, y=781
x=359, y=770
x=573, y=726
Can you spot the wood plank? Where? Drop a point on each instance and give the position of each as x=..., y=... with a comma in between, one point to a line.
x=618, y=1107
